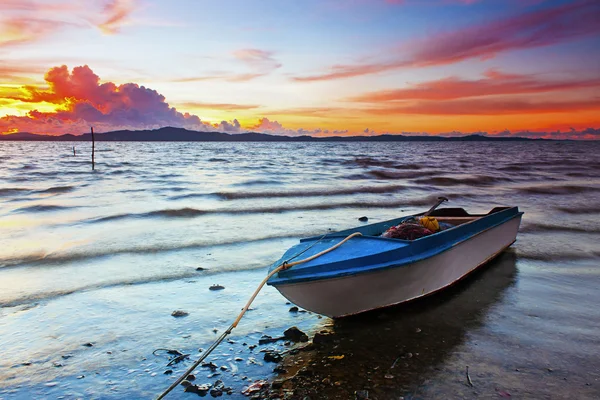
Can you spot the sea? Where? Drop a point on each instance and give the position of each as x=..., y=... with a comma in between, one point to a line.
x=94, y=261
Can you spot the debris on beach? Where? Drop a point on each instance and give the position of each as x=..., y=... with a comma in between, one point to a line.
x=254, y=387
x=216, y=287
x=179, y=356
x=179, y=313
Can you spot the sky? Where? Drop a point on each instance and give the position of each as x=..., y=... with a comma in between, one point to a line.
x=293, y=67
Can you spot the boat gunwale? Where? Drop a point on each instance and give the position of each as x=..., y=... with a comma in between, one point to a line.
x=420, y=256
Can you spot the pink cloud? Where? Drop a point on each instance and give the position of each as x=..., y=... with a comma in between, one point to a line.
x=495, y=83
x=83, y=101
x=116, y=14
x=534, y=29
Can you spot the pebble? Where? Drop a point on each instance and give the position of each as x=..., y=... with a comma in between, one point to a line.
x=168, y=372
x=179, y=313
x=294, y=309
x=89, y=344
x=200, y=269
x=363, y=219
x=216, y=287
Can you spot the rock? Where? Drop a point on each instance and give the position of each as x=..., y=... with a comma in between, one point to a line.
x=273, y=356
x=277, y=384
x=191, y=377
x=418, y=330
x=200, y=269
x=67, y=356
x=294, y=309
x=326, y=381
x=224, y=368
x=168, y=372
x=280, y=370
x=186, y=383
x=179, y=313
x=389, y=376
x=361, y=394
x=363, y=219
x=57, y=364
x=267, y=339
x=211, y=365
x=252, y=346
x=216, y=287
x=239, y=359
x=81, y=377
x=295, y=335
x=200, y=390
x=322, y=337
x=305, y=371
x=89, y=344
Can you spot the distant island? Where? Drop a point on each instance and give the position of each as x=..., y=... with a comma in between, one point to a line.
x=170, y=134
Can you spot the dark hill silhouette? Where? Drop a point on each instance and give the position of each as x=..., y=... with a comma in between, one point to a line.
x=170, y=134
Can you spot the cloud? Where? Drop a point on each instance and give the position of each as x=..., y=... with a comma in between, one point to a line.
x=538, y=28
x=230, y=127
x=495, y=83
x=82, y=101
x=116, y=13
x=218, y=106
x=484, y=106
x=265, y=125
x=259, y=62
x=16, y=31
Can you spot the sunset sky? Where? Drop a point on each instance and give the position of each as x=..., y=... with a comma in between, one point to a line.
x=318, y=67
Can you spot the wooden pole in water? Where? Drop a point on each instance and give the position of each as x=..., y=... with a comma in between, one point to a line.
x=93, y=145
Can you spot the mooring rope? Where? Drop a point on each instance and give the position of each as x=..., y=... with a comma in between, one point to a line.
x=283, y=266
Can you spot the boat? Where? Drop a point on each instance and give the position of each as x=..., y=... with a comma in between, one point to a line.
x=369, y=271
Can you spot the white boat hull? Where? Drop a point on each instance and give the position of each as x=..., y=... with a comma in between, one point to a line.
x=343, y=296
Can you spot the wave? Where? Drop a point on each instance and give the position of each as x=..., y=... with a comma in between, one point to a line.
x=309, y=193
x=194, y=212
x=259, y=182
x=386, y=174
x=554, y=257
x=558, y=190
x=537, y=227
x=40, y=258
x=57, y=189
x=580, y=210
x=126, y=282
x=479, y=180
x=43, y=208
x=12, y=191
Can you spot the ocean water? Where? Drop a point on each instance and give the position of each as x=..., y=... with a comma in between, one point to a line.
x=105, y=256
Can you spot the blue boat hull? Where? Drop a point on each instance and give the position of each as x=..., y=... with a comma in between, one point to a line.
x=370, y=272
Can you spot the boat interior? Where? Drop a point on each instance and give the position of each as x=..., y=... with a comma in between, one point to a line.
x=458, y=216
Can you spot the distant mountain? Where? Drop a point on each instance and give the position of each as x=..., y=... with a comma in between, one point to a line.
x=170, y=134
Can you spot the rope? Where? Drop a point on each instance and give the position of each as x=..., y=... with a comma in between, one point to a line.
x=283, y=266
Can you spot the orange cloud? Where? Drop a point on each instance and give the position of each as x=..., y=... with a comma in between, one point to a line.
x=539, y=28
